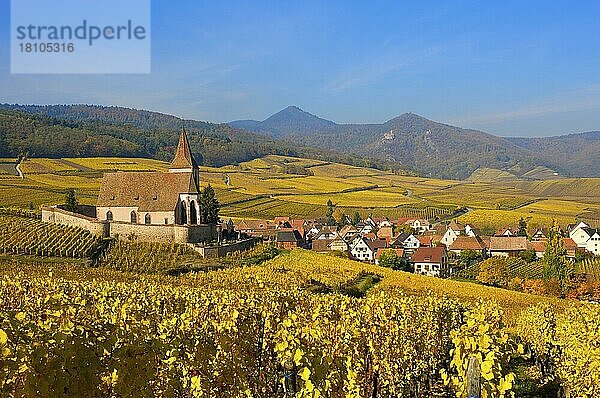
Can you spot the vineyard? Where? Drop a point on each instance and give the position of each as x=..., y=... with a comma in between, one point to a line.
x=260, y=331
x=590, y=267
x=22, y=235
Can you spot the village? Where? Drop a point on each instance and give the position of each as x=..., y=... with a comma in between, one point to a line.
x=166, y=207
x=426, y=249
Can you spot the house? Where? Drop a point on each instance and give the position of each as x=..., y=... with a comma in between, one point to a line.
x=419, y=225
x=406, y=241
x=571, y=247
x=382, y=222
x=321, y=245
x=471, y=231
x=326, y=233
x=386, y=232
x=365, y=250
x=506, y=232
x=593, y=243
x=347, y=229
x=538, y=247
x=574, y=227
x=581, y=234
x=507, y=246
x=254, y=227
x=426, y=240
x=360, y=250
x=539, y=234
x=464, y=242
x=399, y=253
x=338, y=244
x=288, y=239
x=282, y=222
x=431, y=261
x=453, y=231
x=365, y=228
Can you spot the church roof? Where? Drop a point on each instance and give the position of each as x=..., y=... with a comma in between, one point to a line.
x=183, y=156
x=150, y=191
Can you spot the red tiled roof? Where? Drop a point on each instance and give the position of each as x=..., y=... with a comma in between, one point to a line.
x=569, y=244
x=426, y=240
x=147, y=190
x=463, y=242
x=429, y=255
x=508, y=243
x=537, y=246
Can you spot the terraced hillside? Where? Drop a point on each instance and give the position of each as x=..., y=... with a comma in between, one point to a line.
x=277, y=185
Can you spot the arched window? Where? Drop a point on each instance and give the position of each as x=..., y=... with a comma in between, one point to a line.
x=109, y=216
x=133, y=216
x=193, y=213
x=182, y=213
x=147, y=219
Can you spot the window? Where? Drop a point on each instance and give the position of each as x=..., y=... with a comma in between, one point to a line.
x=147, y=219
x=166, y=221
x=133, y=217
x=193, y=213
x=109, y=216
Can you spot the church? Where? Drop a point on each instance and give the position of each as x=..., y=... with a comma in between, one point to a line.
x=154, y=197
x=148, y=206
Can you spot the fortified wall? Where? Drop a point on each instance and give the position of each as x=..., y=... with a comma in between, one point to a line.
x=146, y=233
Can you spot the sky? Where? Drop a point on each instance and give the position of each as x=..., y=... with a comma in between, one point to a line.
x=510, y=68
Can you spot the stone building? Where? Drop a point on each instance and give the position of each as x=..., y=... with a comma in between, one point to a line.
x=154, y=197
x=152, y=206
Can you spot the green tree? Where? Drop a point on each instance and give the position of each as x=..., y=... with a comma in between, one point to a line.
x=390, y=259
x=330, y=211
x=468, y=257
x=71, y=200
x=210, y=206
x=556, y=264
x=528, y=256
x=356, y=218
x=522, y=227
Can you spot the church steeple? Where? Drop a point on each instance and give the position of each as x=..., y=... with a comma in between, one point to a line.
x=183, y=156
x=184, y=161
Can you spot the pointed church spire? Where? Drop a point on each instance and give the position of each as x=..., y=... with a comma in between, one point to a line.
x=183, y=156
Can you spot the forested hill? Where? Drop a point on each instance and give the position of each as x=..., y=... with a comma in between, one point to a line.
x=436, y=149
x=90, y=130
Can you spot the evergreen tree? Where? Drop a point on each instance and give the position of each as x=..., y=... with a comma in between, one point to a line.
x=210, y=206
x=71, y=200
x=330, y=210
x=522, y=227
x=356, y=219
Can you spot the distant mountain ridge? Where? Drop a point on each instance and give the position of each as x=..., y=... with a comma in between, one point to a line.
x=94, y=130
x=437, y=149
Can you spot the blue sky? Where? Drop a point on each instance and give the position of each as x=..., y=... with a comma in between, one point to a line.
x=510, y=68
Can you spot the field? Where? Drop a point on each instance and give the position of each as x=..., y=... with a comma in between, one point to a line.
x=284, y=186
x=301, y=324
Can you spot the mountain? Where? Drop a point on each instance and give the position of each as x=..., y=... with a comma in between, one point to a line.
x=437, y=149
x=93, y=130
x=290, y=120
x=578, y=152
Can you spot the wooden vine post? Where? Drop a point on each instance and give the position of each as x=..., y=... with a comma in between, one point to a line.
x=474, y=378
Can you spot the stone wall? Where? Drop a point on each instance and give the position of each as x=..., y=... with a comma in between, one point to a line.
x=64, y=217
x=142, y=232
x=221, y=251
x=164, y=233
